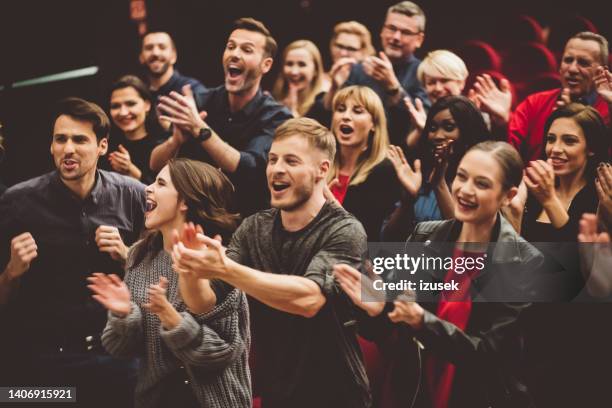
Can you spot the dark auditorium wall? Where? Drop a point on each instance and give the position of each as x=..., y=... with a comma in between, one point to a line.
x=45, y=37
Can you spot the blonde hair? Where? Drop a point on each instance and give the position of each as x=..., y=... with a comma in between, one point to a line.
x=358, y=29
x=307, y=96
x=317, y=135
x=442, y=63
x=378, y=141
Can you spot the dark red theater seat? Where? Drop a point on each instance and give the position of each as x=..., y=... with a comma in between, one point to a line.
x=479, y=56
x=526, y=61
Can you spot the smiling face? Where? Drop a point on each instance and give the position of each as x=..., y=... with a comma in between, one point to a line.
x=299, y=68
x=443, y=128
x=157, y=54
x=164, y=208
x=566, y=146
x=75, y=149
x=438, y=87
x=578, y=64
x=477, y=188
x=352, y=124
x=294, y=168
x=245, y=61
x=400, y=36
x=129, y=110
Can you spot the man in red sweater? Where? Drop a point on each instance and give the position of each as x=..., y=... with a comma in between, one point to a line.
x=583, y=55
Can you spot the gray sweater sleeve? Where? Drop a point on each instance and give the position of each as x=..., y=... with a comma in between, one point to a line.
x=213, y=340
x=123, y=336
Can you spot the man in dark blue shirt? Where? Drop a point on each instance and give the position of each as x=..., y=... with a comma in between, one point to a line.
x=391, y=74
x=55, y=230
x=158, y=56
x=232, y=125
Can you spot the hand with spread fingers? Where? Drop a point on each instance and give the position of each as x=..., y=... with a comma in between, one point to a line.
x=111, y=292
x=109, y=240
x=417, y=112
x=341, y=70
x=496, y=101
x=360, y=289
x=410, y=179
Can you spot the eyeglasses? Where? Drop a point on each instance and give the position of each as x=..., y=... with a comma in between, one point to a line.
x=404, y=32
x=345, y=47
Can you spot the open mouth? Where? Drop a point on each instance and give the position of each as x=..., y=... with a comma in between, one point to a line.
x=234, y=71
x=572, y=81
x=279, y=186
x=346, y=129
x=150, y=205
x=69, y=163
x=557, y=161
x=465, y=204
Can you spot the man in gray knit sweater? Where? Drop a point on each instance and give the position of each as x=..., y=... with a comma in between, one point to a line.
x=304, y=334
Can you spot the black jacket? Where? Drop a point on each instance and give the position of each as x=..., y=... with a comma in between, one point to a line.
x=487, y=355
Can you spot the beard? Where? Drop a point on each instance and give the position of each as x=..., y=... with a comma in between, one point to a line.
x=157, y=74
x=301, y=195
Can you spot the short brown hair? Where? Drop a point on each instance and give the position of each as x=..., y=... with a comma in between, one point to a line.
x=599, y=39
x=81, y=109
x=250, y=24
x=318, y=136
x=409, y=9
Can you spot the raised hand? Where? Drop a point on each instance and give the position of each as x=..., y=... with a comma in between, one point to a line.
x=206, y=262
x=603, y=185
x=341, y=70
x=292, y=100
x=111, y=292
x=109, y=240
x=491, y=99
x=410, y=179
x=417, y=112
x=159, y=304
x=564, y=99
x=381, y=70
x=181, y=110
x=121, y=162
x=603, y=82
x=540, y=180
x=441, y=154
x=354, y=284
x=23, y=251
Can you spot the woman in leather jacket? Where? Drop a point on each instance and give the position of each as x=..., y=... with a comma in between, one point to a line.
x=462, y=348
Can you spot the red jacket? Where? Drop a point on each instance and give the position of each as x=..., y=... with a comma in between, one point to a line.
x=526, y=127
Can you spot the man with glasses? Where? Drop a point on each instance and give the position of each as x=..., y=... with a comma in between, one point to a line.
x=391, y=74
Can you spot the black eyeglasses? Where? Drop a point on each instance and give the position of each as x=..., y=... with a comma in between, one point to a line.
x=404, y=32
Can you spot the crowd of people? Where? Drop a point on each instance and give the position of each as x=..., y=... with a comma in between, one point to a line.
x=202, y=246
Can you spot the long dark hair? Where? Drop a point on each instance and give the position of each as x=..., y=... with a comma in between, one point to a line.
x=596, y=133
x=207, y=193
x=472, y=130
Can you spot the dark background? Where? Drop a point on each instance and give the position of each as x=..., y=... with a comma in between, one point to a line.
x=44, y=37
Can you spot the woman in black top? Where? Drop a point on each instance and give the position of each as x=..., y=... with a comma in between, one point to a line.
x=451, y=348
x=136, y=131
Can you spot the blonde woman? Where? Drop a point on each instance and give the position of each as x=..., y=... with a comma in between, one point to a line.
x=442, y=73
x=301, y=77
x=362, y=179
